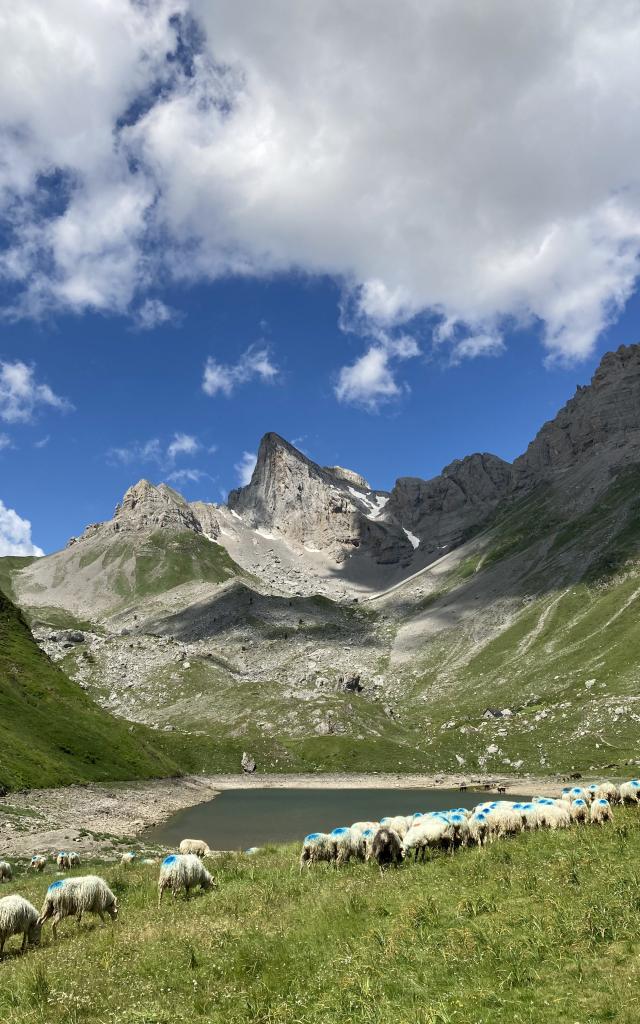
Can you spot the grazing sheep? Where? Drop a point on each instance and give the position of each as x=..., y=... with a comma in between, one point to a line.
x=63, y=862
x=6, y=872
x=346, y=845
x=579, y=811
x=195, y=846
x=18, y=916
x=386, y=848
x=577, y=793
x=397, y=823
x=37, y=863
x=316, y=847
x=183, y=871
x=458, y=832
x=128, y=858
x=554, y=815
x=74, y=860
x=609, y=791
x=427, y=832
x=600, y=811
x=479, y=828
x=630, y=791
x=362, y=826
x=73, y=897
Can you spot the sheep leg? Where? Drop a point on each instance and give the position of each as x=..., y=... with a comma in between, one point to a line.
x=24, y=942
x=54, y=925
x=101, y=916
x=2, y=942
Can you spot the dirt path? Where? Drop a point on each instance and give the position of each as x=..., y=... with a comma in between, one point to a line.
x=99, y=820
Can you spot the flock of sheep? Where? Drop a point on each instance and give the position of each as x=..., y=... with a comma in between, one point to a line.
x=388, y=841
x=392, y=840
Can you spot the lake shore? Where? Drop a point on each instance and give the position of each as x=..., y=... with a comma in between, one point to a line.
x=99, y=819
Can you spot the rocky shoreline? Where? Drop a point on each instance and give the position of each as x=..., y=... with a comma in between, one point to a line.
x=99, y=819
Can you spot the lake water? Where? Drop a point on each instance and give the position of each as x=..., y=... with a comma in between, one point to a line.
x=241, y=818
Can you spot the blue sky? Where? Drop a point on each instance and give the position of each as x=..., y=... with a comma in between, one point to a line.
x=395, y=234
x=132, y=387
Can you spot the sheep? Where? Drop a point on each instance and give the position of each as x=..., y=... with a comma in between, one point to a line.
x=74, y=860
x=630, y=791
x=346, y=845
x=17, y=916
x=386, y=848
x=577, y=793
x=37, y=863
x=579, y=811
x=428, y=832
x=62, y=860
x=73, y=897
x=183, y=871
x=6, y=871
x=397, y=823
x=609, y=791
x=479, y=828
x=128, y=858
x=554, y=815
x=315, y=847
x=362, y=826
x=195, y=846
x=600, y=811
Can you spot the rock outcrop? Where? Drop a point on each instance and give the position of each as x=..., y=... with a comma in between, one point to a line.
x=146, y=507
x=441, y=511
x=600, y=424
x=319, y=508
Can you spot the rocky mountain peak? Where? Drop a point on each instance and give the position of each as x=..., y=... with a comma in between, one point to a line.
x=599, y=427
x=349, y=476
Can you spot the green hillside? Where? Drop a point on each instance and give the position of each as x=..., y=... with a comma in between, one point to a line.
x=52, y=733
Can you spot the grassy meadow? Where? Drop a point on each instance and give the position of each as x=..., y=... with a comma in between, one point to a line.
x=542, y=928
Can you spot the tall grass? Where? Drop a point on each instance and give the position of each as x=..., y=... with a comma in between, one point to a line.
x=540, y=929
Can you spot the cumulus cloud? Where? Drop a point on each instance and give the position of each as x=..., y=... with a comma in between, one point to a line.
x=15, y=534
x=245, y=467
x=471, y=162
x=224, y=378
x=5, y=441
x=190, y=476
x=371, y=381
x=21, y=394
x=163, y=455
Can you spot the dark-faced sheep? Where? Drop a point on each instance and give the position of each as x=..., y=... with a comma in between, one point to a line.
x=386, y=848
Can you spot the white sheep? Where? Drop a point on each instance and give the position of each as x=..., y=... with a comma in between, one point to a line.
x=18, y=916
x=74, y=859
x=554, y=815
x=316, y=847
x=63, y=862
x=609, y=791
x=73, y=897
x=600, y=811
x=363, y=826
x=195, y=846
x=630, y=791
x=6, y=871
x=428, y=832
x=458, y=831
x=397, y=824
x=346, y=845
x=579, y=811
x=479, y=828
x=37, y=863
x=183, y=871
x=128, y=858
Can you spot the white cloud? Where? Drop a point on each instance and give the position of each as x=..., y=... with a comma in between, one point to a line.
x=471, y=161
x=15, y=534
x=5, y=442
x=475, y=345
x=21, y=394
x=370, y=381
x=43, y=442
x=225, y=377
x=153, y=313
x=245, y=467
x=182, y=444
x=191, y=476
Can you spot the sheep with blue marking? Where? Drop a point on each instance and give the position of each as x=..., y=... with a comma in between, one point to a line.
x=6, y=871
x=428, y=833
x=18, y=917
x=128, y=858
x=346, y=845
x=398, y=823
x=62, y=860
x=457, y=834
x=630, y=791
x=37, y=863
x=479, y=828
x=600, y=811
x=579, y=811
x=73, y=897
x=316, y=847
x=183, y=871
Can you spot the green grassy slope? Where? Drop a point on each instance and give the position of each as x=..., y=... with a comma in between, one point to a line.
x=10, y=564
x=567, y=661
x=538, y=929
x=51, y=733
